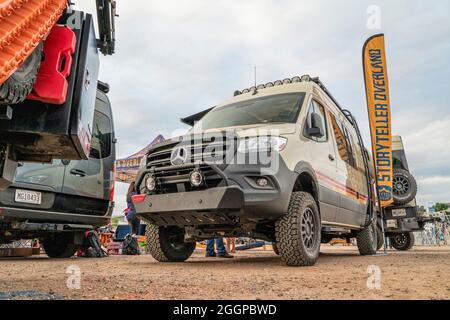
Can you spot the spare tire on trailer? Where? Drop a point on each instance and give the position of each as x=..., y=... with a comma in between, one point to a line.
x=402, y=241
x=404, y=187
x=20, y=84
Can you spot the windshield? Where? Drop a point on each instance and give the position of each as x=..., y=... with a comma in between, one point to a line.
x=283, y=108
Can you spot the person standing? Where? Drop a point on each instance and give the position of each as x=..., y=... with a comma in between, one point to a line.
x=221, y=251
x=133, y=221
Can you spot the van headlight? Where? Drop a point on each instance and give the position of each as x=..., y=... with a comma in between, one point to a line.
x=262, y=144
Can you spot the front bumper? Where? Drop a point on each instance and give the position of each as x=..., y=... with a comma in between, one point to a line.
x=239, y=199
x=213, y=206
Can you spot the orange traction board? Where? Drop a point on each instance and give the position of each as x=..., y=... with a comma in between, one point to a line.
x=23, y=25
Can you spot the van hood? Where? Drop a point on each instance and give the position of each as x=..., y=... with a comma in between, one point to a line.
x=261, y=129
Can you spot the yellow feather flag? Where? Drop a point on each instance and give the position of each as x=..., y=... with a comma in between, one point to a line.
x=379, y=108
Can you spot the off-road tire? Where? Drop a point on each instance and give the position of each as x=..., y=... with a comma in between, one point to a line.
x=162, y=247
x=275, y=248
x=366, y=239
x=380, y=237
x=60, y=245
x=297, y=240
x=403, y=241
x=404, y=187
x=20, y=84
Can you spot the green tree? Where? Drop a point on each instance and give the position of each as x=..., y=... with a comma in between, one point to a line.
x=440, y=207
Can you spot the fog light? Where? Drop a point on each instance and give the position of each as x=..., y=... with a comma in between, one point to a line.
x=262, y=182
x=196, y=178
x=150, y=183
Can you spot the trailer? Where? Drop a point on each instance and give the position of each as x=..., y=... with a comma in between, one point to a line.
x=402, y=219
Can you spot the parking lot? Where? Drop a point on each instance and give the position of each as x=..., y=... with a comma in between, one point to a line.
x=340, y=273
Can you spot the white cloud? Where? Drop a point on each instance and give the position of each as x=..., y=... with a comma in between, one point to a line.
x=434, y=189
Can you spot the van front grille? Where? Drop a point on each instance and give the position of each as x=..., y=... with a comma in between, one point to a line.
x=203, y=155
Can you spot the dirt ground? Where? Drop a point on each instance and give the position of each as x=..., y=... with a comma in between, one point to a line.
x=422, y=273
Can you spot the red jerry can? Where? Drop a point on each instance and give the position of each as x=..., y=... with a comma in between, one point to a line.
x=51, y=84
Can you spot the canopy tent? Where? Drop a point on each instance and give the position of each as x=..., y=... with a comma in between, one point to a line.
x=126, y=169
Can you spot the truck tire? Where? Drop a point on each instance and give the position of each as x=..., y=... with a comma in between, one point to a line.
x=60, y=245
x=166, y=244
x=404, y=187
x=298, y=232
x=275, y=248
x=403, y=241
x=366, y=239
x=19, y=85
x=380, y=237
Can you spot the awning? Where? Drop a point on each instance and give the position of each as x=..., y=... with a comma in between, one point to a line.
x=126, y=169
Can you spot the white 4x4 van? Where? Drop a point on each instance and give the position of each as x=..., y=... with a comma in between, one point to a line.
x=281, y=162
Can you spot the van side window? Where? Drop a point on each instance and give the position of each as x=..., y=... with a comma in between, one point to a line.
x=343, y=141
x=101, y=137
x=318, y=109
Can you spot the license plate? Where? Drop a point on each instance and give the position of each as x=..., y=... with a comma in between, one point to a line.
x=399, y=212
x=391, y=224
x=26, y=196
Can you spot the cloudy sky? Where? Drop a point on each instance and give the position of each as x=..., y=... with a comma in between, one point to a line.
x=175, y=58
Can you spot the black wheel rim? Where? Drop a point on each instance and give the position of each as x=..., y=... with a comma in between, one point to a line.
x=401, y=239
x=401, y=185
x=308, y=229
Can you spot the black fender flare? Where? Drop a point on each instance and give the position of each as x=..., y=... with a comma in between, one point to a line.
x=305, y=167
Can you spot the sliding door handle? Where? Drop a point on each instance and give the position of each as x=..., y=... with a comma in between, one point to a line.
x=78, y=173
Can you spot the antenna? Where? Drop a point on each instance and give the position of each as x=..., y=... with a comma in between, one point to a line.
x=255, y=76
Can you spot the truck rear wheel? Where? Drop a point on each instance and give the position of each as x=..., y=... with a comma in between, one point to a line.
x=404, y=186
x=403, y=241
x=19, y=85
x=366, y=239
x=60, y=245
x=166, y=244
x=298, y=232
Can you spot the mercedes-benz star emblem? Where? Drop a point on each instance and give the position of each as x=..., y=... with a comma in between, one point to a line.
x=179, y=156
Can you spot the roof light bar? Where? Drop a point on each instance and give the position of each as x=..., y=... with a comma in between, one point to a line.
x=296, y=79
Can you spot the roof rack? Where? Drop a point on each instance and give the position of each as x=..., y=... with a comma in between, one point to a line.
x=346, y=113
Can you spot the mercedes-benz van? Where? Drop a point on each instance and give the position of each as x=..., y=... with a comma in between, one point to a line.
x=281, y=162
x=56, y=202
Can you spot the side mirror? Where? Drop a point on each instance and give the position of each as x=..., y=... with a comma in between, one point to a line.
x=316, y=130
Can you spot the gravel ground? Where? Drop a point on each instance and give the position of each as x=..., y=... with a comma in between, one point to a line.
x=422, y=273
